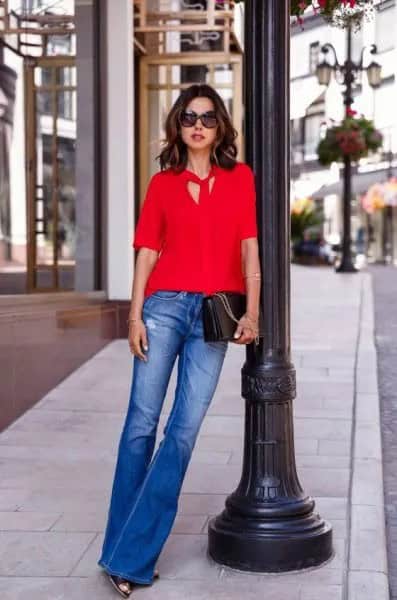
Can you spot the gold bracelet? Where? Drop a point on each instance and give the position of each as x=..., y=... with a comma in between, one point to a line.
x=133, y=320
x=254, y=321
x=256, y=275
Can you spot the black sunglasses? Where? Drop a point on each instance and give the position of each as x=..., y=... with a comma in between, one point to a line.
x=208, y=119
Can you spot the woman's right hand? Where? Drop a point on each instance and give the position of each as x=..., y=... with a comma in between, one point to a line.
x=137, y=339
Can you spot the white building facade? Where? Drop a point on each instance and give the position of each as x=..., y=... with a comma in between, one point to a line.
x=314, y=106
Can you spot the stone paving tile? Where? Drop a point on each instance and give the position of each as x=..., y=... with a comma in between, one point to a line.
x=89, y=475
x=317, y=413
x=79, y=521
x=56, y=588
x=368, y=408
x=340, y=403
x=66, y=421
x=218, y=590
x=367, y=586
x=227, y=443
x=87, y=565
x=324, y=462
x=328, y=359
x=57, y=500
x=35, y=554
x=27, y=521
x=366, y=473
x=200, y=504
x=329, y=574
x=321, y=390
x=331, y=592
x=336, y=447
x=8, y=451
x=64, y=439
x=93, y=522
x=332, y=508
x=324, y=429
x=85, y=400
x=368, y=440
x=11, y=499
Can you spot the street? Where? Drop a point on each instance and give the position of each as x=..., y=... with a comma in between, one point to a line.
x=385, y=289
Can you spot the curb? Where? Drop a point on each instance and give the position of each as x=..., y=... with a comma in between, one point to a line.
x=367, y=575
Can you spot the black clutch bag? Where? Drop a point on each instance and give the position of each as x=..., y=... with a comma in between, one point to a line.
x=221, y=312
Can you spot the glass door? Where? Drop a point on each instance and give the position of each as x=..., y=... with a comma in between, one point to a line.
x=162, y=77
x=51, y=99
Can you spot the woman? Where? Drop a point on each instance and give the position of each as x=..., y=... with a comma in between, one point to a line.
x=196, y=235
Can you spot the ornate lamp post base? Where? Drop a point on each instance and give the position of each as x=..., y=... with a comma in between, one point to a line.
x=297, y=539
x=269, y=524
x=346, y=266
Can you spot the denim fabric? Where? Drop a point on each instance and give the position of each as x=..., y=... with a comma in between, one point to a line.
x=145, y=490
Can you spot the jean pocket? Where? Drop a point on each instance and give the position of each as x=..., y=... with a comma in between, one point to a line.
x=166, y=294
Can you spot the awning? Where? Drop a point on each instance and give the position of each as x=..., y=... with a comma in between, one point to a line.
x=303, y=93
x=360, y=183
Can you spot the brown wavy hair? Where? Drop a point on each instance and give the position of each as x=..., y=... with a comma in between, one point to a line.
x=224, y=150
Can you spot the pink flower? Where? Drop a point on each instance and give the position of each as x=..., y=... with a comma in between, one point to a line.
x=350, y=112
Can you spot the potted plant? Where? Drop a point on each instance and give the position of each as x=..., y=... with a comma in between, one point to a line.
x=308, y=245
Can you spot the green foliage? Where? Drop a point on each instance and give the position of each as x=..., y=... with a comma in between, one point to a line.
x=305, y=217
x=354, y=137
x=340, y=13
x=336, y=12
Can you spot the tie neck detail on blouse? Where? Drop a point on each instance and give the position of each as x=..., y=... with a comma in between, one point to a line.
x=188, y=175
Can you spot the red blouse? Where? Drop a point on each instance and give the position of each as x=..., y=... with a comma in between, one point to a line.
x=199, y=244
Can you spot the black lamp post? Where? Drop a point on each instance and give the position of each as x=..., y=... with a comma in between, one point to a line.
x=346, y=74
x=269, y=524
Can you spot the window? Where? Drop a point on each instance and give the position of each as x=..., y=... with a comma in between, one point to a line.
x=314, y=56
x=313, y=128
x=29, y=6
x=296, y=141
x=384, y=28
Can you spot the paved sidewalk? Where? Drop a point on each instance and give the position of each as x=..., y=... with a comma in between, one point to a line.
x=57, y=463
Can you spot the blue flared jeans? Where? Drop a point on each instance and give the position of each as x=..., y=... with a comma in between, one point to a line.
x=146, y=487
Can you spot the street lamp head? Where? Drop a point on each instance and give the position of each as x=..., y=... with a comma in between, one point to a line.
x=374, y=74
x=323, y=72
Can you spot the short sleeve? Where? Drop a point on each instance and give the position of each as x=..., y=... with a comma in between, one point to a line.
x=149, y=230
x=248, y=224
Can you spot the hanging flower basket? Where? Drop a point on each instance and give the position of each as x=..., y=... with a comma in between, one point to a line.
x=354, y=137
x=339, y=13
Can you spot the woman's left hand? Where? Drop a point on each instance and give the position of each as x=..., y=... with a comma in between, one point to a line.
x=247, y=329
